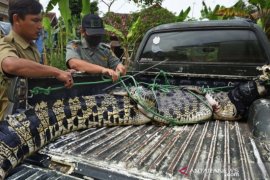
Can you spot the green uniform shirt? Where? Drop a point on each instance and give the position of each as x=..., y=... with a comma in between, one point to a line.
x=13, y=46
x=101, y=55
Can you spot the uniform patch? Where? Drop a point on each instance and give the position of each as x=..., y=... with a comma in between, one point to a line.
x=74, y=45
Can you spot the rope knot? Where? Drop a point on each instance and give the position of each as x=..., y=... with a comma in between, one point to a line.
x=40, y=90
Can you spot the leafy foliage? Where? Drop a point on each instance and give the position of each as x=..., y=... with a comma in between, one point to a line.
x=257, y=10
x=94, y=7
x=51, y=5
x=119, y=21
x=71, y=12
x=130, y=28
x=239, y=9
x=149, y=18
x=75, y=7
x=183, y=15
x=262, y=8
x=210, y=14
x=126, y=40
x=85, y=7
x=147, y=2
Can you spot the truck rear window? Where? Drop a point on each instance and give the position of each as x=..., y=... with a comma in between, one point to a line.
x=204, y=46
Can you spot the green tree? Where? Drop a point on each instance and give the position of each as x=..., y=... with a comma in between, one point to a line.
x=130, y=28
x=126, y=38
x=208, y=13
x=257, y=10
x=94, y=7
x=75, y=7
x=149, y=18
x=262, y=9
x=147, y=2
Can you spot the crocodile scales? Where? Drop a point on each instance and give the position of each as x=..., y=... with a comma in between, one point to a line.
x=177, y=105
x=25, y=133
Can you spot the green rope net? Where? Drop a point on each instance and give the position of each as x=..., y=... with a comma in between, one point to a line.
x=152, y=86
x=48, y=90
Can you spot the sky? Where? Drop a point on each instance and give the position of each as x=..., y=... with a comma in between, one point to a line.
x=175, y=6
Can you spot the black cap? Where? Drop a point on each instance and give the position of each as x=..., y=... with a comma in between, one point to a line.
x=93, y=25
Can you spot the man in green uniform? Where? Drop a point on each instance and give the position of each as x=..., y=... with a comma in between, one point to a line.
x=90, y=55
x=18, y=53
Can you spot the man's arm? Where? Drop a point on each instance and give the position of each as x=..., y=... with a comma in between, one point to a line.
x=114, y=61
x=81, y=65
x=25, y=68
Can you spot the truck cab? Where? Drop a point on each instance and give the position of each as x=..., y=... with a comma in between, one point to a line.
x=222, y=48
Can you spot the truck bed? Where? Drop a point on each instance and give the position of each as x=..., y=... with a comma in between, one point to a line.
x=211, y=150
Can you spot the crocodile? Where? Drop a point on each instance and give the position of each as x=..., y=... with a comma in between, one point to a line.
x=24, y=133
x=175, y=105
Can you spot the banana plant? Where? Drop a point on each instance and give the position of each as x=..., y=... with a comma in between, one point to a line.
x=126, y=41
x=183, y=15
x=85, y=7
x=48, y=43
x=208, y=13
x=65, y=31
x=65, y=14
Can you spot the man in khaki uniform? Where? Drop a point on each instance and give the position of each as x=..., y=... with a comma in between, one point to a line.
x=18, y=53
x=90, y=55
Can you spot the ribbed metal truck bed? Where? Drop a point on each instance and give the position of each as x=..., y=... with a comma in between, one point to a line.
x=213, y=150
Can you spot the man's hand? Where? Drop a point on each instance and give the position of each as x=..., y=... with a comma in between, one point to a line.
x=120, y=68
x=111, y=73
x=65, y=77
x=72, y=71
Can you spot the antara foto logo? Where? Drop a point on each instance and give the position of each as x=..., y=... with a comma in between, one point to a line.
x=184, y=171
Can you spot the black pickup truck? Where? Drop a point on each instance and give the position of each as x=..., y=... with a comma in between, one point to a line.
x=209, y=54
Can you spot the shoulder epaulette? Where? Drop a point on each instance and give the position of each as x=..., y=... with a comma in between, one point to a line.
x=75, y=43
x=104, y=46
x=7, y=39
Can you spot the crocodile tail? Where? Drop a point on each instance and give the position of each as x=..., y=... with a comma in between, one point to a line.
x=17, y=140
x=24, y=133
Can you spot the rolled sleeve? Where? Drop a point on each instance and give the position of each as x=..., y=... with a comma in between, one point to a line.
x=113, y=61
x=72, y=51
x=6, y=51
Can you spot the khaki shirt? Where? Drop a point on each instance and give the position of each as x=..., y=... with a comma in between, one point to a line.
x=102, y=55
x=13, y=46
